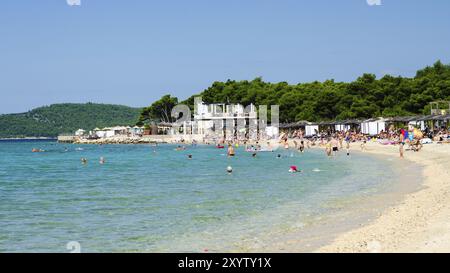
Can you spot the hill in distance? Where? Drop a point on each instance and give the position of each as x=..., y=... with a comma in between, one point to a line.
x=65, y=118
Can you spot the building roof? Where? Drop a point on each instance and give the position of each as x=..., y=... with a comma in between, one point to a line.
x=443, y=117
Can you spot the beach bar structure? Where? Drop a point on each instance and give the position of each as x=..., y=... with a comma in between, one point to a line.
x=314, y=128
x=444, y=121
x=348, y=125
x=309, y=128
x=434, y=121
x=339, y=126
x=420, y=122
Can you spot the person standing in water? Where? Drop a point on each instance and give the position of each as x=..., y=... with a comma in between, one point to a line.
x=347, y=142
x=302, y=146
x=347, y=147
x=334, y=144
x=328, y=148
x=230, y=151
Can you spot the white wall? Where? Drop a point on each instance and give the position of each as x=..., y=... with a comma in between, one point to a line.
x=342, y=127
x=373, y=127
x=272, y=131
x=310, y=130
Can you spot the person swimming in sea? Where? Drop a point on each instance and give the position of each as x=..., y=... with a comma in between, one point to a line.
x=84, y=161
x=102, y=160
x=293, y=169
x=180, y=148
x=189, y=156
x=254, y=154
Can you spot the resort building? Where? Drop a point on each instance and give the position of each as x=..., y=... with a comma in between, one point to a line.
x=226, y=120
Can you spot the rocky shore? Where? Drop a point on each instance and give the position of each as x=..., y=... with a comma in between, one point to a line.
x=119, y=140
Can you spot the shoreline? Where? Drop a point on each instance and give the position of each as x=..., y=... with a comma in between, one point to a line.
x=419, y=222
x=349, y=213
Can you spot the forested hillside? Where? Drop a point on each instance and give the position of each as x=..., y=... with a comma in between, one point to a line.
x=365, y=97
x=49, y=121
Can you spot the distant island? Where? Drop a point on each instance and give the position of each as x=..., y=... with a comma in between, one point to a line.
x=51, y=121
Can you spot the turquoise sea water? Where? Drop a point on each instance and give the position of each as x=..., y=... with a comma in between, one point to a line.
x=155, y=199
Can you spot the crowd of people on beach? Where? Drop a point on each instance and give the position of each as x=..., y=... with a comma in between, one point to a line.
x=411, y=137
x=332, y=142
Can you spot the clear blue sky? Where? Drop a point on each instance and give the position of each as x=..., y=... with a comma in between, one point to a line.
x=132, y=52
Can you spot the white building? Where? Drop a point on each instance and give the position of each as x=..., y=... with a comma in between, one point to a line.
x=111, y=132
x=373, y=126
x=136, y=131
x=80, y=132
x=311, y=129
x=223, y=119
x=342, y=127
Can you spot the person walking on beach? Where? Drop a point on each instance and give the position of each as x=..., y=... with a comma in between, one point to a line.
x=363, y=145
x=401, y=144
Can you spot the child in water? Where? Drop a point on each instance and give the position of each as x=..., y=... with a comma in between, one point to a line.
x=230, y=150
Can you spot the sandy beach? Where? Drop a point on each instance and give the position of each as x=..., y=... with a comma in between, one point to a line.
x=419, y=223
